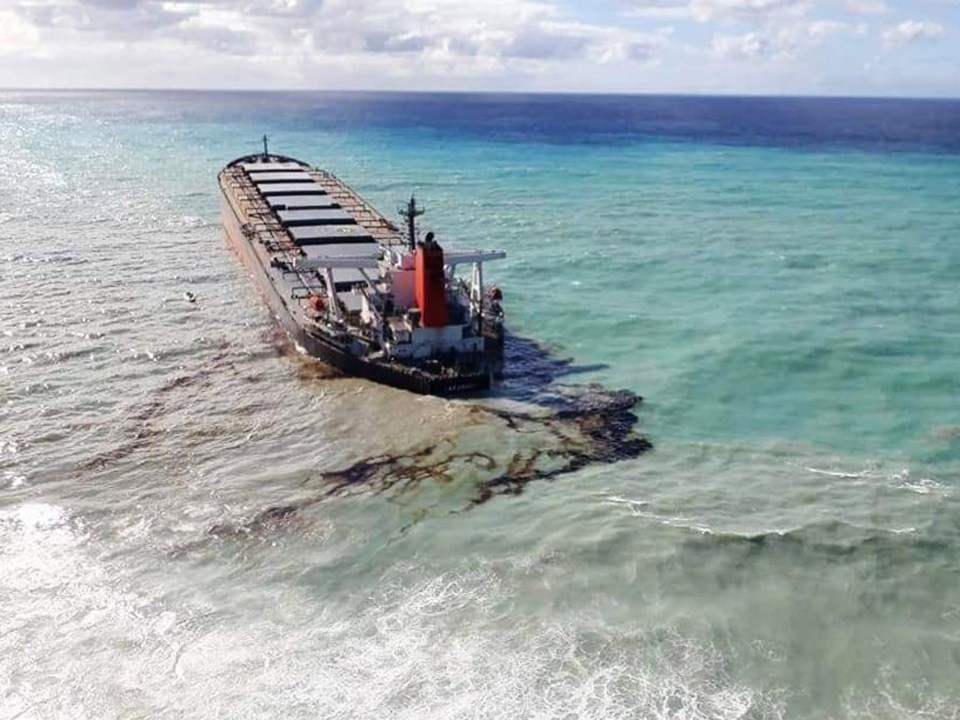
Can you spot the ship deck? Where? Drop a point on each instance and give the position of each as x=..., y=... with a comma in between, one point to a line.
x=265, y=191
x=294, y=212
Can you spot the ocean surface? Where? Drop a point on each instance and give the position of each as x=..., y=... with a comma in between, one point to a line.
x=778, y=278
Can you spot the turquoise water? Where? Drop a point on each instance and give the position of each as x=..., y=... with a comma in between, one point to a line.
x=787, y=309
x=747, y=293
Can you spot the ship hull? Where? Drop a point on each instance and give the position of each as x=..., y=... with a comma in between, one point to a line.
x=325, y=349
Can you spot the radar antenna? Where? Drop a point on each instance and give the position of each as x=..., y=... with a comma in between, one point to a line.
x=266, y=151
x=411, y=212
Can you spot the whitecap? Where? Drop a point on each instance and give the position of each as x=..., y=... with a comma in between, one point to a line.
x=617, y=500
x=14, y=480
x=923, y=486
x=34, y=516
x=843, y=475
x=402, y=653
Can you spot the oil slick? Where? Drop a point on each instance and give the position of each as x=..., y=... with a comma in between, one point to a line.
x=534, y=429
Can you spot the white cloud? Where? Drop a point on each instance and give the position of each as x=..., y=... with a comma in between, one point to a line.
x=750, y=10
x=822, y=29
x=659, y=10
x=113, y=17
x=910, y=31
x=749, y=45
x=448, y=44
x=754, y=46
x=867, y=7
x=778, y=41
x=497, y=29
x=705, y=11
x=16, y=35
x=381, y=39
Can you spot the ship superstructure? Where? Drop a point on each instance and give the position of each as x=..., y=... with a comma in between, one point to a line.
x=355, y=291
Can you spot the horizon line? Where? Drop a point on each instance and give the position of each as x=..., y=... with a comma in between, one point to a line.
x=570, y=93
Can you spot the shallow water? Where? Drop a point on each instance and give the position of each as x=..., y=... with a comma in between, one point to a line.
x=778, y=286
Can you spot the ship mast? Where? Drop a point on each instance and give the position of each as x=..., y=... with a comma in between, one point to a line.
x=411, y=212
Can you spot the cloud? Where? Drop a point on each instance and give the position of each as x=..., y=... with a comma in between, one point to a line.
x=498, y=29
x=705, y=11
x=447, y=44
x=537, y=42
x=778, y=41
x=822, y=29
x=298, y=40
x=119, y=18
x=659, y=9
x=910, y=31
x=16, y=35
x=219, y=40
x=747, y=46
x=568, y=41
x=114, y=4
x=383, y=42
x=867, y=7
x=747, y=10
x=754, y=46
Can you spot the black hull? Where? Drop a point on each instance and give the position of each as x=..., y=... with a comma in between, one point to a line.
x=412, y=380
x=327, y=350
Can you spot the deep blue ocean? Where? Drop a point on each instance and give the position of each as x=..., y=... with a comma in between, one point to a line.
x=776, y=277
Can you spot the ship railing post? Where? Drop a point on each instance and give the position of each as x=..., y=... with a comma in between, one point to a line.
x=478, y=288
x=332, y=293
x=378, y=317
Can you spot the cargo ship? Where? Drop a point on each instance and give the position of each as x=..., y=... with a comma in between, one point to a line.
x=353, y=289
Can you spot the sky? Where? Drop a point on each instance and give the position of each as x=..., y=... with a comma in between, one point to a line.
x=904, y=48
